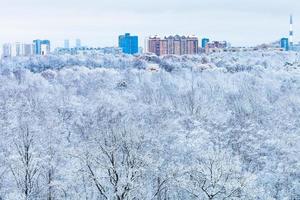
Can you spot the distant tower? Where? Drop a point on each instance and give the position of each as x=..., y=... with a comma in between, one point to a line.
x=66, y=44
x=78, y=43
x=291, y=31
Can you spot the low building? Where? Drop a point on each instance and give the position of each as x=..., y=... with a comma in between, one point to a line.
x=215, y=46
x=88, y=50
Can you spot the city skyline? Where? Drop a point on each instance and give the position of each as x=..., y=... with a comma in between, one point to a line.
x=100, y=22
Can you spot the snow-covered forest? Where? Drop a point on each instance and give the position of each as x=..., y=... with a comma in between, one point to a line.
x=116, y=127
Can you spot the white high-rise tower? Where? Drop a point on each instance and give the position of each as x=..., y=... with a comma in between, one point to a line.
x=291, y=31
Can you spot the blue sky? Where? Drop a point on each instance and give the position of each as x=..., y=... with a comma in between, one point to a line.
x=99, y=22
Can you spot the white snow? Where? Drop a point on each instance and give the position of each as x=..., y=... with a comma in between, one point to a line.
x=220, y=126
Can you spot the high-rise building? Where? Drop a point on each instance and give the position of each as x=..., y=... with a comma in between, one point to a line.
x=128, y=43
x=28, y=49
x=41, y=47
x=78, y=43
x=66, y=44
x=173, y=45
x=37, y=46
x=284, y=43
x=6, y=50
x=153, y=45
x=192, y=45
x=18, y=49
x=176, y=45
x=204, y=42
x=163, y=47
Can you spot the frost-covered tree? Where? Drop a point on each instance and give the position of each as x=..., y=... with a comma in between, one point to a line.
x=217, y=176
x=104, y=126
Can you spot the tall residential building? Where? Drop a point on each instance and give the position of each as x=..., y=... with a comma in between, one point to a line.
x=78, y=43
x=204, y=42
x=153, y=45
x=163, y=47
x=192, y=45
x=6, y=50
x=129, y=44
x=28, y=49
x=67, y=44
x=173, y=45
x=176, y=45
x=284, y=43
x=18, y=49
x=37, y=46
x=41, y=47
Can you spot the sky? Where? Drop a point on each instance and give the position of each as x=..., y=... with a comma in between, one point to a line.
x=99, y=22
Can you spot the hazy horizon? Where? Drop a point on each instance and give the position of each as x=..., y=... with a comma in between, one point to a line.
x=98, y=23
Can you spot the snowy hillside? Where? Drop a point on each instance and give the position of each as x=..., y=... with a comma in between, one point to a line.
x=223, y=126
